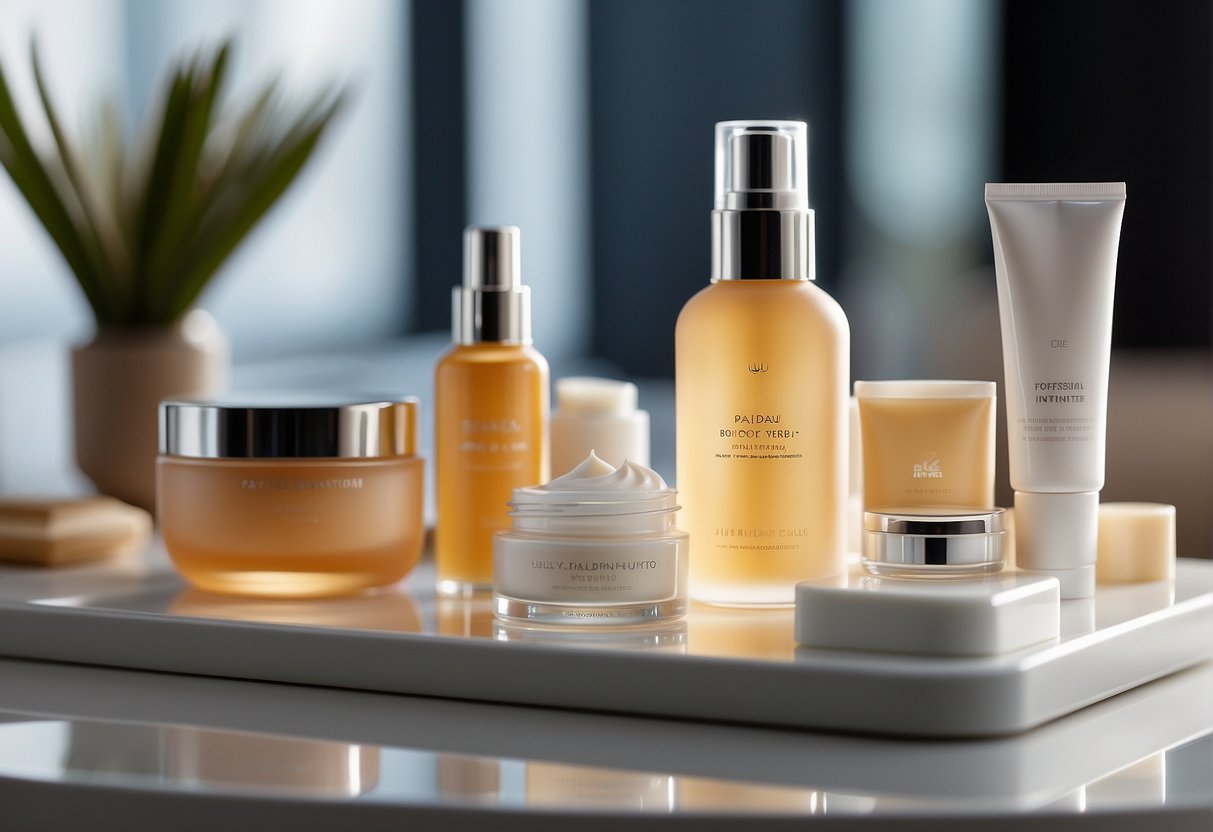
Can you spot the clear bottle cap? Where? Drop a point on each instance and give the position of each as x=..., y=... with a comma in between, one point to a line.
x=491, y=259
x=762, y=164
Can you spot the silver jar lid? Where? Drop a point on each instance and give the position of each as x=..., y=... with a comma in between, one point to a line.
x=934, y=536
x=290, y=426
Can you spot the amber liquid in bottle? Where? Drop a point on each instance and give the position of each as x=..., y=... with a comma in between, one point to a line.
x=762, y=374
x=490, y=420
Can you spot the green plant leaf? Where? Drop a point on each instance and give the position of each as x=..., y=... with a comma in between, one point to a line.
x=179, y=206
x=110, y=150
x=144, y=231
x=231, y=222
x=157, y=185
x=249, y=131
x=34, y=181
x=101, y=239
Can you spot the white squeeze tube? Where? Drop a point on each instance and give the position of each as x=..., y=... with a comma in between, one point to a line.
x=1055, y=257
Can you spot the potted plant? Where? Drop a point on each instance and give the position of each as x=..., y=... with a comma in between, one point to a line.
x=144, y=226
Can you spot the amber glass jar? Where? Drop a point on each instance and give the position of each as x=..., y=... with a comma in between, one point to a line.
x=281, y=498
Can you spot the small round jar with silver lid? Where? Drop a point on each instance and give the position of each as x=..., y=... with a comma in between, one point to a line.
x=282, y=496
x=933, y=541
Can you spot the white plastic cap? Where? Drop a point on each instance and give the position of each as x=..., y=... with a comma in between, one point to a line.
x=1056, y=534
x=600, y=396
x=598, y=414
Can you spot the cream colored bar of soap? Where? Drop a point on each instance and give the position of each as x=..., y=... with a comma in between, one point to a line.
x=64, y=531
x=931, y=617
x=1136, y=543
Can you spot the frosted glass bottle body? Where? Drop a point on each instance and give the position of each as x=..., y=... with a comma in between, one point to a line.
x=491, y=404
x=762, y=372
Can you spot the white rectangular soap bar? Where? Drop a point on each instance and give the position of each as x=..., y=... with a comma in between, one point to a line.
x=971, y=617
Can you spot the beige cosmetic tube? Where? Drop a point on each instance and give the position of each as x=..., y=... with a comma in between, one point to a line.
x=927, y=443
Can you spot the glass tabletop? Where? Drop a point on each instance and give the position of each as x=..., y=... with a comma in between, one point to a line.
x=183, y=758
x=1150, y=748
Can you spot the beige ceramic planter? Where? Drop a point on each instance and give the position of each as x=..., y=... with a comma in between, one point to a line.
x=118, y=380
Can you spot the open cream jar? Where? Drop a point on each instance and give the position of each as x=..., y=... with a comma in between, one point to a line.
x=595, y=546
x=291, y=498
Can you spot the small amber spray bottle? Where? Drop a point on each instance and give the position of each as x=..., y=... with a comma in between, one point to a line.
x=491, y=410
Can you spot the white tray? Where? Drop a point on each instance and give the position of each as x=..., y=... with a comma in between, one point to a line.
x=721, y=665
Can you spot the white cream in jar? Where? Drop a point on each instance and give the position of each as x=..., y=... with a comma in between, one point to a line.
x=595, y=546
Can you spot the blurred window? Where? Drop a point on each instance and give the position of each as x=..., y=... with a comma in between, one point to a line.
x=327, y=267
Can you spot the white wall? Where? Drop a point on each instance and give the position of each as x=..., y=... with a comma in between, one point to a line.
x=528, y=151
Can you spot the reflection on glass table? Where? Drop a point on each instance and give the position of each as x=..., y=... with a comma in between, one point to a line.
x=666, y=636
x=394, y=611
x=169, y=758
x=1147, y=749
x=470, y=616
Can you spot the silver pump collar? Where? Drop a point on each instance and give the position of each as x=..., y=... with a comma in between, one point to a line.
x=492, y=305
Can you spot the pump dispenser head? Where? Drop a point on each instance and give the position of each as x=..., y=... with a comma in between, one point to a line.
x=762, y=227
x=762, y=164
x=492, y=305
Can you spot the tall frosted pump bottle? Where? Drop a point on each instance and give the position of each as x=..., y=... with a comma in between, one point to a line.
x=491, y=410
x=762, y=370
